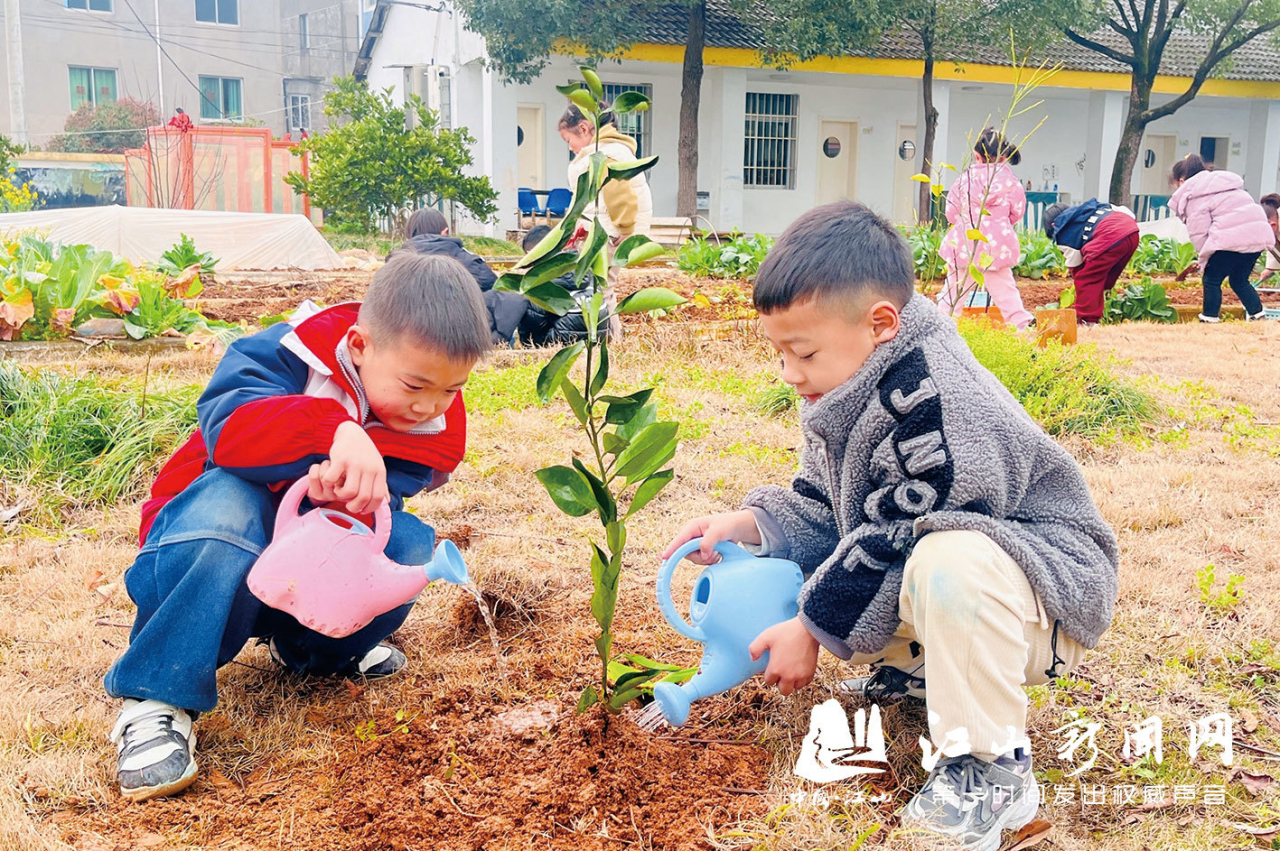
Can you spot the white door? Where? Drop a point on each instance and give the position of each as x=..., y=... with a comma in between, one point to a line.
x=1155, y=162
x=530, y=155
x=905, y=190
x=837, y=160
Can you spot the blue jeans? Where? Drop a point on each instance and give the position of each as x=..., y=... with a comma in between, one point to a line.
x=195, y=611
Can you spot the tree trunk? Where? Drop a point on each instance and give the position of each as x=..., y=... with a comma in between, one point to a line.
x=690, y=96
x=930, y=132
x=1130, y=143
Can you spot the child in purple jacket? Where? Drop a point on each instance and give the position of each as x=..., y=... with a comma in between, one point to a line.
x=1228, y=228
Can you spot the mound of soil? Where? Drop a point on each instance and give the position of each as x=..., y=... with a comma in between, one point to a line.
x=547, y=778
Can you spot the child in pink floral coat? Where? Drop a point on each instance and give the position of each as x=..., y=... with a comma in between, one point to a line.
x=989, y=184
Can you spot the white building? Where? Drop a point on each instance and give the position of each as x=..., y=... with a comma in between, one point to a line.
x=774, y=144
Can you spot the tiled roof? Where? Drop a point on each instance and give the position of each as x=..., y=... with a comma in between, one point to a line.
x=1258, y=60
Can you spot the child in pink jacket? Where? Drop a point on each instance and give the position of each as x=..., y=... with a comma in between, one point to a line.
x=1228, y=228
x=989, y=184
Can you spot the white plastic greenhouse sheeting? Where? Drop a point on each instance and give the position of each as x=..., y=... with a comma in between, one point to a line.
x=142, y=234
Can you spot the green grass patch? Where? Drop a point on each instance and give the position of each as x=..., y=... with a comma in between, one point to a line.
x=1067, y=389
x=495, y=389
x=74, y=442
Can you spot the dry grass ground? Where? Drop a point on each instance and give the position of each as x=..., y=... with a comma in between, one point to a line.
x=1199, y=490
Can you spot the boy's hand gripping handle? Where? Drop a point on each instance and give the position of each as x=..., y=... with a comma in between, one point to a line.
x=288, y=515
x=727, y=550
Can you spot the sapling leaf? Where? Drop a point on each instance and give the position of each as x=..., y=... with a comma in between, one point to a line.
x=636, y=248
x=568, y=88
x=604, y=501
x=549, y=244
x=556, y=369
x=590, y=696
x=649, y=450
x=568, y=489
x=614, y=444
x=646, y=662
x=628, y=170
x=548, y=269
x=597, y=236
x=630, y=102
x=552, y=298
x=623, y=408
x=922, y=178
x=648, y=489
x=593, y=83
x=602, y=369
x=616, y=536
x=583, y=100
x=645, y=417
x=650, y=298
x=575, y=400
x=509, y=282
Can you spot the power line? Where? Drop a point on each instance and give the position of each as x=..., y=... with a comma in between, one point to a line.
x=206, y=40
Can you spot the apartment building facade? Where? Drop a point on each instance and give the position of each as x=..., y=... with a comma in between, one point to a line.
x=261, y=62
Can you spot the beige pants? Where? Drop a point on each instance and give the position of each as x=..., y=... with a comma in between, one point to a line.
x=611, y=298
x=967, y=607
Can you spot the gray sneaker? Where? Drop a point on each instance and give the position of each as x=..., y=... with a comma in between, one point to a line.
x=886, y=683
x=154, y=749
x=971, y=800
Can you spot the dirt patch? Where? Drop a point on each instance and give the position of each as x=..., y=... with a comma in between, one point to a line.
x=573, y=784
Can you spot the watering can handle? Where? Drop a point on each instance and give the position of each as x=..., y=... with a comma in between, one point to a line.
x=288, y=515
x=727, y=550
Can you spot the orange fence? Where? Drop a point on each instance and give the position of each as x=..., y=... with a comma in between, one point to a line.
x=236, y=169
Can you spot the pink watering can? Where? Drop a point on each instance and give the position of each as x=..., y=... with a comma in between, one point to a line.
x=329, y=571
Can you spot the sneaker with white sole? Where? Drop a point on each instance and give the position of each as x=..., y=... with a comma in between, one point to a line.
x=155, y=749
x=972, y=801
x=382, y=661
x=886, y=683
x=1204, y=318
x=1254, y=317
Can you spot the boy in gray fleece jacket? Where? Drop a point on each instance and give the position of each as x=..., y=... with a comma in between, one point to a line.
x=935, y=520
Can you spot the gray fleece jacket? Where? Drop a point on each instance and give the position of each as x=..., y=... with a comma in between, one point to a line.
x=923, y=439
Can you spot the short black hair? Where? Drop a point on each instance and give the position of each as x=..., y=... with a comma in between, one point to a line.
x=1050, y=215
x=992, y=146
x=427, y=300
x=534, y=236
x=425, y=220
x=839, y=251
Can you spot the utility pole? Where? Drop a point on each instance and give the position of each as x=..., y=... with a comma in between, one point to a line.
x=17, y=82
x=159, y=64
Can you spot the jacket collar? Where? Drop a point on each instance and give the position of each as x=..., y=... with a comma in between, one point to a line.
x=830, y=417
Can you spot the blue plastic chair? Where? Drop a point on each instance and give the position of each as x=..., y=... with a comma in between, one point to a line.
x=528, y=202
x=558, y=202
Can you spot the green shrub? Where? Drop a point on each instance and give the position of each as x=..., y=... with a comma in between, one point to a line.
x=925, y=241
x=740, y=257
x=76, y=442
x=1160, y=256
x=1041, y=256
x=1067, y=389
x=1144, y=302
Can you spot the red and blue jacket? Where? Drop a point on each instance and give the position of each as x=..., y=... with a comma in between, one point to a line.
x=272, y=407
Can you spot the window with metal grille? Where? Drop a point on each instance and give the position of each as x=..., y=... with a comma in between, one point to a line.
x=220, y=98
x=769, y=141
x=91, y=85
x=299, y=113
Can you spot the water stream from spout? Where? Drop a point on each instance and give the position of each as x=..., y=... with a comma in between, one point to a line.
x=650, y=719
x=485, y=613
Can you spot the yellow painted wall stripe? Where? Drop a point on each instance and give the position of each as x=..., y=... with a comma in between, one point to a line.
x=738, y=57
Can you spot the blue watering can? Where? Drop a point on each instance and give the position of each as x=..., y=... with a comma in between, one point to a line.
x=734, y=600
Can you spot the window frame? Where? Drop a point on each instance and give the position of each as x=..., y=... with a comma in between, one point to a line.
x=88, y=7
x=217, y=22
x=304, y=33
x=221, y=106
x=93, y=95
x=760, y=150
x=290, y=106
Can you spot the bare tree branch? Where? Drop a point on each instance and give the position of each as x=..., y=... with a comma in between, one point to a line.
x=1130, y=26
x=1098, y=47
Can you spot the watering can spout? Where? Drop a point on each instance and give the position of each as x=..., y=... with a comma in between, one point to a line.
x=447, y=564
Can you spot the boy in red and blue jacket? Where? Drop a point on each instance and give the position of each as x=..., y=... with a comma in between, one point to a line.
x=363, y=400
